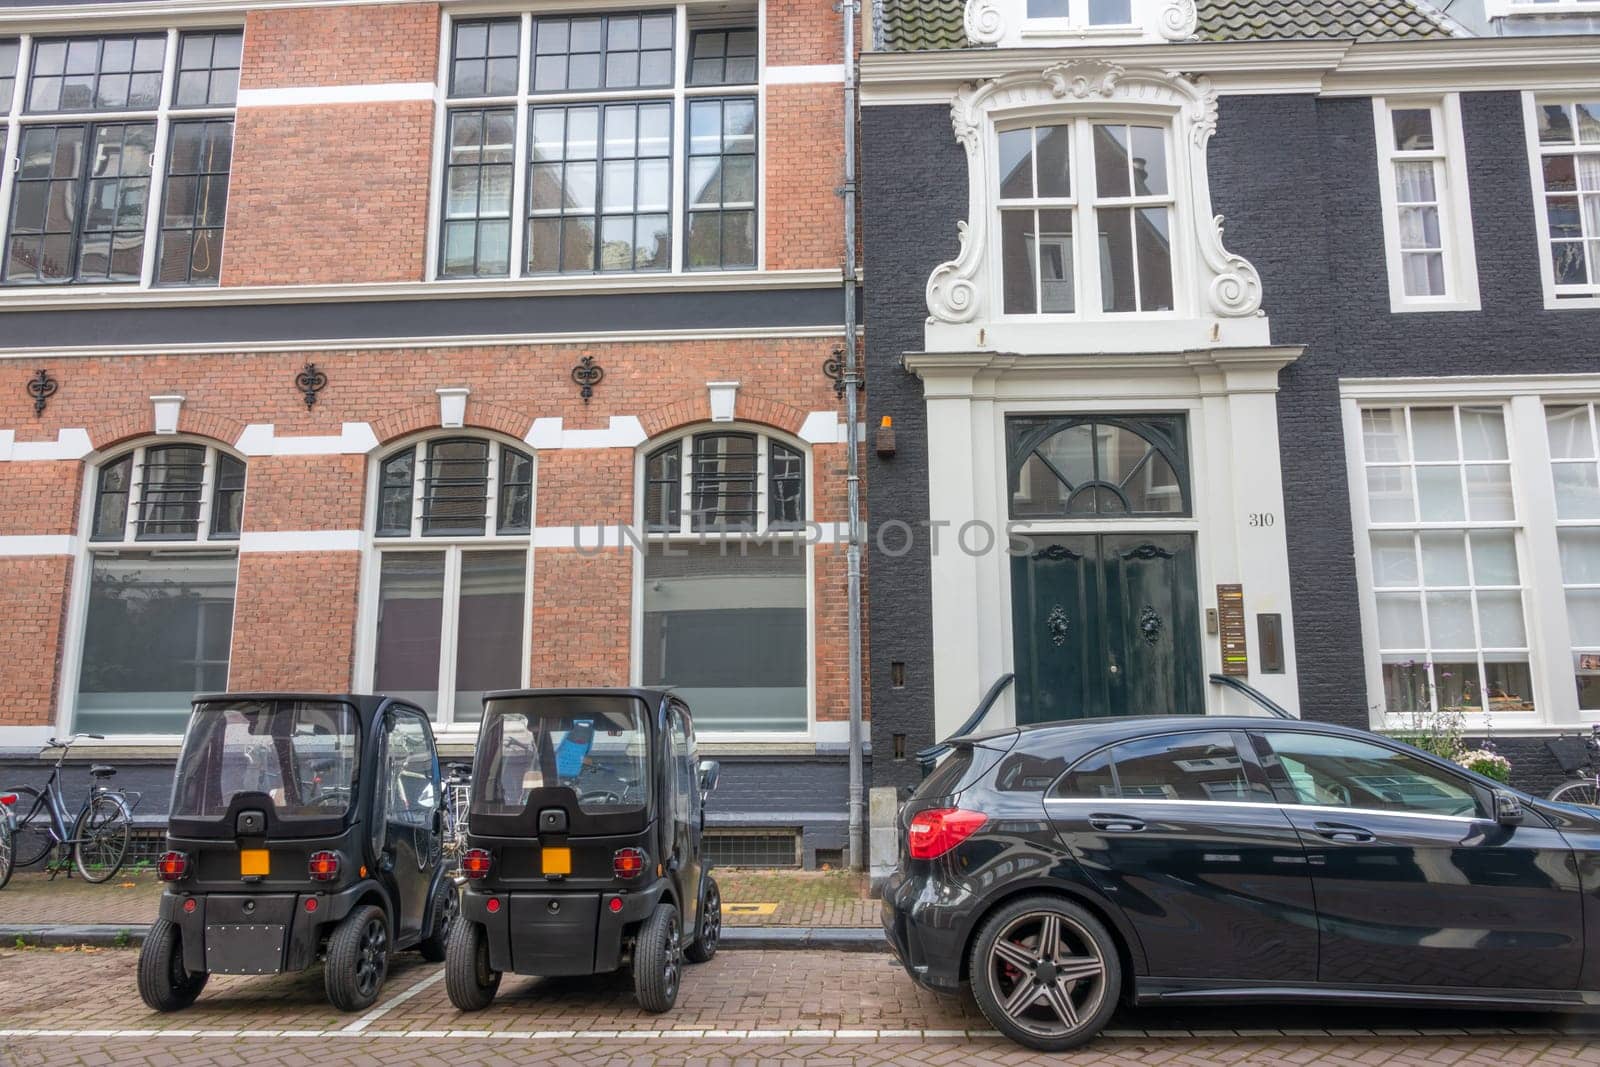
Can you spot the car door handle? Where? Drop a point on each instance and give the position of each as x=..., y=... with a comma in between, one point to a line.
x=1116, y=824
x=1350, y=835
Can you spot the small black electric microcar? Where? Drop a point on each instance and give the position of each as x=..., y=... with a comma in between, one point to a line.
x=584, y=844
x=303, y=826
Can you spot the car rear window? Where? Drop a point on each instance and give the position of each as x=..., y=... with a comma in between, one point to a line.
x=597, y=746
x=946, y=778
x=300, y=753
x=1203, y=765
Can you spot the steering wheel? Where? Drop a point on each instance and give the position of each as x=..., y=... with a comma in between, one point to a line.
x=600, y=796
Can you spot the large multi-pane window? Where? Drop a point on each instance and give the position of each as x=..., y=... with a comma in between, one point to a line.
x=1567, y=172
x=724, y=609
x=598, y=143
x=1478, y=541
x=1443, y=531
x=450, y=572
x=116, y=151
x=1574, y=433
x=1060, y=181
x=164, y=521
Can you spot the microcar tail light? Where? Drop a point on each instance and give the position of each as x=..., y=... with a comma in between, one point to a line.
x=936, y=831
x=323, y=866
x=172, y=866
x=475, y=862
x=627, y=863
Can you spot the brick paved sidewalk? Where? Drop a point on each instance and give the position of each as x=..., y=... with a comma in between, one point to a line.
x=741, y=1007
x=802, y=898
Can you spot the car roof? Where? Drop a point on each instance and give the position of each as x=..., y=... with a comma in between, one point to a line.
x=649, y=693
x=1096, y=731
x=366, y=704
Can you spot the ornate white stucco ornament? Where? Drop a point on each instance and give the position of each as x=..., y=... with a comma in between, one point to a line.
x=958, y=291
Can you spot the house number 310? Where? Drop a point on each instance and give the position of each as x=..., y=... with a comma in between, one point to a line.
x=1261, y=519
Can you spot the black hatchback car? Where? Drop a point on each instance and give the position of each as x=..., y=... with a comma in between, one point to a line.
x=1060, y=869
x=303, y=826
x=584, y=849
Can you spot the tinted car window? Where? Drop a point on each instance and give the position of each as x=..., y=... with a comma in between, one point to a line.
x=1345, y=772
x=1193, y=766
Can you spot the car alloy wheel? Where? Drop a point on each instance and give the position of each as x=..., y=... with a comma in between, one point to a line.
x=674, y=961
x=373, y=961
x=1047, y=974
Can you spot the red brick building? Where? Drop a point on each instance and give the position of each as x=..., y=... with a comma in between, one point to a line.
x=338, y=337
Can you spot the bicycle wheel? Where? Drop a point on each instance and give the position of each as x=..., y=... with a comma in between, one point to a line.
x=7, y=855
x=100, y=840
x=31, y=840
x=1578, y=791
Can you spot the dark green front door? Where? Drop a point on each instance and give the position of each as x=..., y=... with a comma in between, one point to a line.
x=1106, y=624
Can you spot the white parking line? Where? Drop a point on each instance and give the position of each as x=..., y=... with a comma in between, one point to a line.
x=699, y=1035
x=394, y=1002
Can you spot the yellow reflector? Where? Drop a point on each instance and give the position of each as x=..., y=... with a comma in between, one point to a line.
x=558, y=861
x=750, y=909
x=254, y=863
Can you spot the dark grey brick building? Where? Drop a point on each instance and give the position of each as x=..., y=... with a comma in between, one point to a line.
x=1341, y=447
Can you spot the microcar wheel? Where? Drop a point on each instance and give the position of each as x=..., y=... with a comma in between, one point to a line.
x=467, y=977
x=445, y=905
x=358, y=959
x=164, y=983
x=658, y=960
x=1045, y=973
x=704, y=946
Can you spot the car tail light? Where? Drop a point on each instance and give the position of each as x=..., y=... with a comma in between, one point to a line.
x=493, y=906
x=323, y=866
x=172, y=866
x=475, y=862
x=627, y=863
x=615, y=904
x=936, y=831
x=190, y=905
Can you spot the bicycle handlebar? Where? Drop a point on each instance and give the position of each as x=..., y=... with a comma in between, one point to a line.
x=56, y=742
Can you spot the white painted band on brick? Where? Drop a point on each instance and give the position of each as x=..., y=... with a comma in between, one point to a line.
x=832, y=73
x=261, y=439
x=301, y=541
x=38, y=545
x=301, y=96
x=625, y=431
x=827, y=428
x=15, y=737
x=832, y=733
x=69, y=444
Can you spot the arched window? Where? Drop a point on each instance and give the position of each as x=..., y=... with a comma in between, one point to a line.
x=725, y=612
x=1097, y=466
x=162, y=568
x=450, y=528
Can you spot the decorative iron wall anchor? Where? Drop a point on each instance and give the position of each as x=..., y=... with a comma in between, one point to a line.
x=310, y=382
x=41, y=387
x=833, y=367
x=588, y=374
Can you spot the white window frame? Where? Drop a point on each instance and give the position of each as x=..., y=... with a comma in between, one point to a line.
x=78, y=596
x=1084, y=204
x=1550, y=645
x=679, y=93
x=1448, y=157
x=1566, y=296
x=762, y=534
x=15, y=119
x=1499, y=9
x=1077, y=21
x=452, y=546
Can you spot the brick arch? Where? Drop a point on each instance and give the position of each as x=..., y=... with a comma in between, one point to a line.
x=748, y=407
x=419, y=418
x=198, y=422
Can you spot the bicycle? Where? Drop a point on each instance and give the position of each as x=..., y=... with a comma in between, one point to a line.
x=99, y=834
x=8, y=854
x=457, y=790
x=1584, y=788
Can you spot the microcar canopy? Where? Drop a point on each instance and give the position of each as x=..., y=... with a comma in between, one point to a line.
x=299, y=754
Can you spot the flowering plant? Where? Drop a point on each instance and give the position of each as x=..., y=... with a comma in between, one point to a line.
x=1486, y=762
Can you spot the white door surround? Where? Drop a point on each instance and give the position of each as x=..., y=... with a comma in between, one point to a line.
x=1229, y=396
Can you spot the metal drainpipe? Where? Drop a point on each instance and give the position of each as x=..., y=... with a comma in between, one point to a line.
x=850, y=10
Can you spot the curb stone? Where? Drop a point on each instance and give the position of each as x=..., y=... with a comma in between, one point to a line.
x=791, y=938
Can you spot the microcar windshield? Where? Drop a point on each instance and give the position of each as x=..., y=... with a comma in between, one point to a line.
x=597, y=746
x=300, y=753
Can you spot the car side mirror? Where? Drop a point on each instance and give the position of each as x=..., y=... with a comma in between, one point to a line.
x=710, y=774
x=1507, y=808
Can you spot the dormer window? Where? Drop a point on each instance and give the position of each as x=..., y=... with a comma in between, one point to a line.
x=1083, y=12
x=1109, y=179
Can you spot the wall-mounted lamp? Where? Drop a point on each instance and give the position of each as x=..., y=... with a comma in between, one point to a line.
x=886, y=437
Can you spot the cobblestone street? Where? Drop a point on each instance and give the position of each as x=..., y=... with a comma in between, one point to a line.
x=79, y=1007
